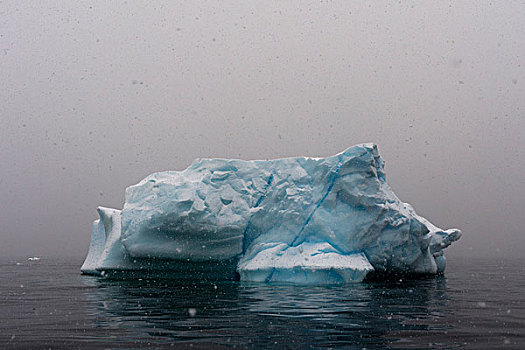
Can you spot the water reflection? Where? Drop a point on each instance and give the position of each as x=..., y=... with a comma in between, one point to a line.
x=379, y=314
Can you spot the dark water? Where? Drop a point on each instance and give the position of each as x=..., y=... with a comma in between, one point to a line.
x=48, y=304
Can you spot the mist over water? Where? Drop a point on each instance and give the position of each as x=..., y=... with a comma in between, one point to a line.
x=96, y=96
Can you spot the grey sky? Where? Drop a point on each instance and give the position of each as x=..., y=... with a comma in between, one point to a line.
x=96, y=95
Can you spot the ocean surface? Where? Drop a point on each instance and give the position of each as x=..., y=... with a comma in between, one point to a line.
x=478, y=304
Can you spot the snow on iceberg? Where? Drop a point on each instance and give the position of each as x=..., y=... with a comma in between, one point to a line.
x=294, y=220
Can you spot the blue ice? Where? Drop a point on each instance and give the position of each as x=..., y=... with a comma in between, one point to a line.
x=293, y=220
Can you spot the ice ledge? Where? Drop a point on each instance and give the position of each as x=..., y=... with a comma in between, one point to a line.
x=308, y=263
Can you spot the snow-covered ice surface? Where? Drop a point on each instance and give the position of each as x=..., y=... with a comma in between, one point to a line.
x=294, y=220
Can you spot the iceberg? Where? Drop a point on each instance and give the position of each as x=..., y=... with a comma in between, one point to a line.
x=293, y=220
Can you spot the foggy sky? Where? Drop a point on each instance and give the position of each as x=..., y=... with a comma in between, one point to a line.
x=96, y=95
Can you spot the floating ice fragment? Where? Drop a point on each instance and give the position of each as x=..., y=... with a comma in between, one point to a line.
x=293, y=220
x=482, y=304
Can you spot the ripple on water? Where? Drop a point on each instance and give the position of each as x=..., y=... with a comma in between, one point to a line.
x=46, y=302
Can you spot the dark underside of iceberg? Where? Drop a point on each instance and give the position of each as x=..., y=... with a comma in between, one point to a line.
x=293, y=220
